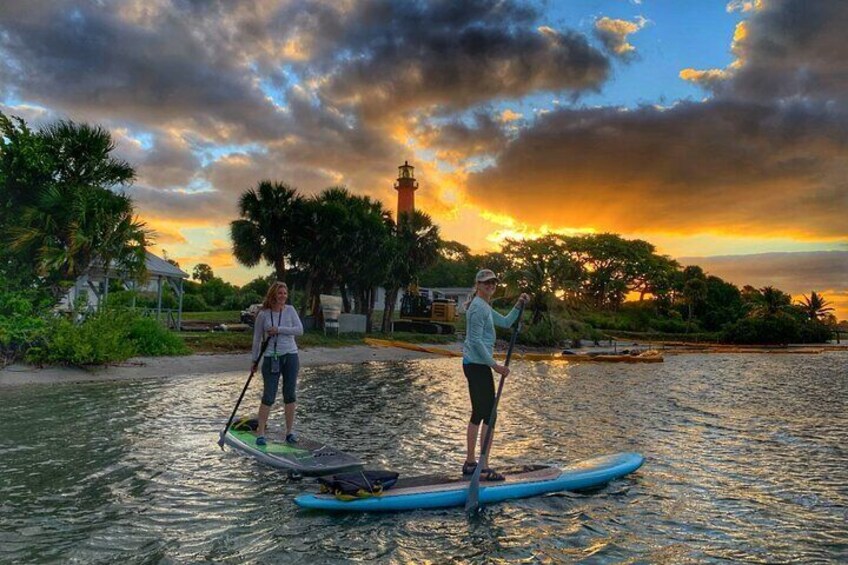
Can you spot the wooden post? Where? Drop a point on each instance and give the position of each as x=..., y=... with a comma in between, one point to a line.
x=180, y=310
x=159, y=306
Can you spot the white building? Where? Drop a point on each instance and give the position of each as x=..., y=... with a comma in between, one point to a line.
x=93, y=288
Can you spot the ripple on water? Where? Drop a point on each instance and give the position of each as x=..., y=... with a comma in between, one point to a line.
x=745, y=461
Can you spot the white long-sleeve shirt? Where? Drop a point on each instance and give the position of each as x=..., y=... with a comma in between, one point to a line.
x=480, y=331
x=288, y=325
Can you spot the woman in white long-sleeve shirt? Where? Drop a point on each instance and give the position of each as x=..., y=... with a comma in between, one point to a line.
x=478, y=364
x=280, y=323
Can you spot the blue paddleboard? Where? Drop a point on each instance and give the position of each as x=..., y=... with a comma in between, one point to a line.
x=445, y=492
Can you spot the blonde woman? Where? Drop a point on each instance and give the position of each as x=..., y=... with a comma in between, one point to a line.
x=280, y=323
x=478, y=364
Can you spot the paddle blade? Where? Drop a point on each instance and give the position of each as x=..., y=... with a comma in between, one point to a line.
x=472, y=503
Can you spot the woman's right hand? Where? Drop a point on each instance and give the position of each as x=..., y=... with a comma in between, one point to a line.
x=502, y=370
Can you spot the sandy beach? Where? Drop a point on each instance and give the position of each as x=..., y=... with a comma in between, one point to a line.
x=157, y=367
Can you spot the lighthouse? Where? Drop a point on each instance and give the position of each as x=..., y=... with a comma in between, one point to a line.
x=406, y=186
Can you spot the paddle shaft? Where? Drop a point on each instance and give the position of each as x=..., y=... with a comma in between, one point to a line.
x=472, y=503
x=244, y=390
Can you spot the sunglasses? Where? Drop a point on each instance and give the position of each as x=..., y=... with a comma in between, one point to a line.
x=491, y=282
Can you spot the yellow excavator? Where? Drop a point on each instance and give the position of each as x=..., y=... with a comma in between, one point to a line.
x=422, y=314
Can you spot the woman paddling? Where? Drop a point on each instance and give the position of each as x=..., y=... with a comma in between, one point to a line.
x=280, y=322
x=478, y=364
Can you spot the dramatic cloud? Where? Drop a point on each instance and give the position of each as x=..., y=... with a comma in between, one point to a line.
x=461, y=64
x=765, y=156
x=207, y=98
x=457, y=140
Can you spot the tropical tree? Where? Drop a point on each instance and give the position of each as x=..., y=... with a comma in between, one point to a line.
x=61, y=182
x=368, y=255
x=455, y=266
x=694, y=292
x=543, y=269
x=815, y=307
x=318, y=247
x=414, y=247
x=610, y=264
x=265, y=228
x=770, y=301
x=202, y=272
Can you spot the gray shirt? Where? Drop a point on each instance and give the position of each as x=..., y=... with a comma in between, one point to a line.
x=288, y=325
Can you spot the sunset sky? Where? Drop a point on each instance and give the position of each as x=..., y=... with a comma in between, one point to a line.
x=716, y=130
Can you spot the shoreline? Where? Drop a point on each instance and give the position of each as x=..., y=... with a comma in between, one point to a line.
x=192, y=365
x=20, y=374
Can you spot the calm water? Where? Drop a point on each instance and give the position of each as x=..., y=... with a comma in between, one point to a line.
x=747, y=460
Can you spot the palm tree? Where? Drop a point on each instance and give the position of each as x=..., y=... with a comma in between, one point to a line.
x=771, y=302
x=70, y=218
x=264, y=231
x=694, y=292
x=69, y=232
x=815, y=307
x=414, y=248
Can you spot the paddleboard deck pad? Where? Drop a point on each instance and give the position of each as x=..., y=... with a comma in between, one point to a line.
x=307, y=457
x=435, y=491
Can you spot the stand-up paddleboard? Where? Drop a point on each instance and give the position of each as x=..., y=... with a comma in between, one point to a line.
x=435, y=491
x=307, y=457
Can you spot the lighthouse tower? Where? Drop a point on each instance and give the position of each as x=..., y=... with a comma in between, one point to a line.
x=406, y=186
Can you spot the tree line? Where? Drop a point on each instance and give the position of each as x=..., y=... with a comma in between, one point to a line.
x=64, y=211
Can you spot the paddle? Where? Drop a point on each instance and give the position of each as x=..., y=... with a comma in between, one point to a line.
x=244, y=390
x=473, y=500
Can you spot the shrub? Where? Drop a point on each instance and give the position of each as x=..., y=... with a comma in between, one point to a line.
x=152, y=339
x=21, y=328
x=769, y=330
x=815, y=332
x=109, y=336
x=101, y=339
x=194, y=303
x=672, y=326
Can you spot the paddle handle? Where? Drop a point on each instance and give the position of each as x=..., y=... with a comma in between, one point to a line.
x=243, y=391
x=472, y=503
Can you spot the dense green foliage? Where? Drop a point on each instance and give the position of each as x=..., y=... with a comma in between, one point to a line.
x=20, y=325
x=334, y=240
x=108, y=336
x=580, y=284
x=61, y=212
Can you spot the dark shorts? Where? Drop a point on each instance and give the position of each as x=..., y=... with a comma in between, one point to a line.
x=289, y=366
x=481, y=388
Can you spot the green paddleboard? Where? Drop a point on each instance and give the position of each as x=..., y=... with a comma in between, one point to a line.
x=307, y=457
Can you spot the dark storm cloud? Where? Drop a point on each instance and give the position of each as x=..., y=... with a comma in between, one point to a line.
x=757, y=158
x=458, y=140
x=189, y=74
x=180, y=206
x=795, y=48
x=454, y=56
x=92, y=63
x=170, y=163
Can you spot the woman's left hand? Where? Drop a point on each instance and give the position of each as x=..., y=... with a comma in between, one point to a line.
x=525, y=298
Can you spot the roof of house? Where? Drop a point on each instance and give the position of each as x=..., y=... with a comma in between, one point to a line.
x=156, y=266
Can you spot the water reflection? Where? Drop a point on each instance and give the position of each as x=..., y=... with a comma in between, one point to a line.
x=746, y=460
